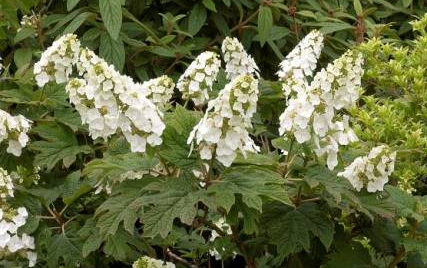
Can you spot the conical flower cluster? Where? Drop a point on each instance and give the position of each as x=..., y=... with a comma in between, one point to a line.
x=313, y=108
x=11, y=220
x=14, y=130
x=237, y=60
x=224, y=128
x=199, y=77
x=371, y=171
x=106, y=100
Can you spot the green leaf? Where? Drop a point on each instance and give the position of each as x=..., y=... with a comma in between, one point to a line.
x=110, y=167
x=73, y=188
x=176, y=198
x=209, y=4
x=252, y=183
x=77, y=22
x=265, y=24
x=125, y=247
x=125, y=205
x=23, y=33
x=92, y=239
x=174, y=149
x=66, y=248
x=349, y=255
x=59, y=143
x=291, y=229
x=22, y=56
x=111, y=13
x=113, y=51
x=72, y=4
x=197, y=19
x=416, y=246
x=358, y=7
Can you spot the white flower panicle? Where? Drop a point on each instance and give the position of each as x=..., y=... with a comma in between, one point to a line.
x=57, y=61
x=225, y=227
x=224, y=128
x=106, y=100
x=148, y=262
x=312, y=108
x=159, y=90
x=237, y=60
x=6, y=185
x=301, y=62
x=199, y=77
x=12, y=243
x=31, y=21
x=340, y=80
x=14, y=129
x=371, y=171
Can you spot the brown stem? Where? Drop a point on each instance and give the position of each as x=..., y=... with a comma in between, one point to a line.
x=249, y=261
x=179, y=259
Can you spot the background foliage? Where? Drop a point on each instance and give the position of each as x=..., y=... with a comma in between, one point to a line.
x=329, y=226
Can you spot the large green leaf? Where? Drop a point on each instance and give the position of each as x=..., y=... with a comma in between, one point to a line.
x=112, y=50
x=265, y=24
x=64, y=249
x=252, y=183
x=59, y=143
x=197, y=18
x=125, y=205
x=174, y=149
x=111, y=13
x=175, y=198
x=292, y=229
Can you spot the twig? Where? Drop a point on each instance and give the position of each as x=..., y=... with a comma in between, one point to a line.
x=179, y=259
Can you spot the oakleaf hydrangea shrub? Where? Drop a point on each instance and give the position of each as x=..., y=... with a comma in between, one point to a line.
x=111, y=172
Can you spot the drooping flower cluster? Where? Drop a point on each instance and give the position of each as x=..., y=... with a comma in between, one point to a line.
x=225, y=227
x=159, y=90
x=237, y=60
x=6, y=184
x=57, y=61
x=32, y=21
x=301, y=62
x=199, y=77
x=312, y=111
x=10, y=220
x=223, y=129
x=14, y=129
x=105, y=99
x=148, y=262
x=371, y=171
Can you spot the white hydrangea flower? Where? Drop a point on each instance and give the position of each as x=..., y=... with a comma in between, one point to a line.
x=301, y=62
x=223, y=129
x=312, y=111
x=342, y=78
x=30, y=21
x=57, y=61
x=159, y=90
x=225, y=227
x=199, y=77
x=106, y=100
x=237, y=60
x=14, y=129
x=371, y=171
x=6, y=185
x=12, y=243
x=148, y=262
